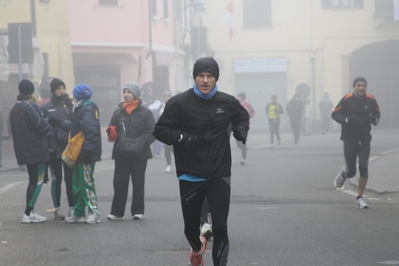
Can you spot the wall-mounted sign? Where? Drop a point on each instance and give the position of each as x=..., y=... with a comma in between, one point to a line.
x=260, y=65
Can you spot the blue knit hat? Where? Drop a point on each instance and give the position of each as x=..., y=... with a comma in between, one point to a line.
x=82, y=92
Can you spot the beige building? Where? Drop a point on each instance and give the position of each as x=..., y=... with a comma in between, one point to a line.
x=51, y=49
x=308, y=47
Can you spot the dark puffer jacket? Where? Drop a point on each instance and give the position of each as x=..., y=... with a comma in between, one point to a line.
x=28, y=129
x=139, y=124
x=209, y=119
x=85, y=118
x=59, y=108
x=362, y=108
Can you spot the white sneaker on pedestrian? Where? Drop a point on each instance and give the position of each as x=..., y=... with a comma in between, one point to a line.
x=168, y=168
x=37, y=218
x=33, y=218
x=75, y=219
x=113, y=217
x=361, y=204
x=70, y=212
x=138, y=217
x=93, y=218
x=58, y=214
x=242, y=162
x=340, y=180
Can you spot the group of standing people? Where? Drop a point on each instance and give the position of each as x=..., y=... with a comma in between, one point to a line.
x=41, y=133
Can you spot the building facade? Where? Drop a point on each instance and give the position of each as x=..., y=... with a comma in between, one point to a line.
x=285, y=47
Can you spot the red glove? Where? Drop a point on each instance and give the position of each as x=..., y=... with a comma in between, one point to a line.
x=112, y=134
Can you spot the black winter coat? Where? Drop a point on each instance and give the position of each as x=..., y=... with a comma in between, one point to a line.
x=85, y=118
x=28, y=129
x=209, y=119
x=360, y=107
x=139, y=124
x=59, y=108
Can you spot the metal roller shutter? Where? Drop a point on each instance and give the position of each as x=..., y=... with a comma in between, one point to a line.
x=258, y=88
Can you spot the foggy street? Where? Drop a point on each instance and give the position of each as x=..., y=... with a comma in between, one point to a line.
x=284, y=210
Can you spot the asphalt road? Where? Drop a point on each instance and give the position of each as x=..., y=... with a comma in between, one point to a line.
x=284, y=211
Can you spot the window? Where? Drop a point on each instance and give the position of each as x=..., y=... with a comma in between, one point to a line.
x=108, y=2
x=165, y=9
x=384, y=8
x=257, y=14
x=342, y=4
x=153, y=4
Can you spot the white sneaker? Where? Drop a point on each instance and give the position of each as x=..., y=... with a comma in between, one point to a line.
x=360, y=203
x=242, y=162
x=93, y=218
x=70, y=211
x=168, y=168
x=340, y=180
x=138, y=217
x=58, y=214
x=33, y=218
x=113, y=217
x=75, y=219
x=206, y=231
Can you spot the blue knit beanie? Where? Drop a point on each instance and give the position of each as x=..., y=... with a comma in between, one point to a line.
x=82, y=92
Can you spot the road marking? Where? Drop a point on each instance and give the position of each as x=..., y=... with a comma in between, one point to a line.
x=9, y=186
x=350, y=192
x=267, y=208
x=389, y=262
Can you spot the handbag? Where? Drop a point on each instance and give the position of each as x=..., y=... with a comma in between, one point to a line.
x=127, y=144
x=72, y=150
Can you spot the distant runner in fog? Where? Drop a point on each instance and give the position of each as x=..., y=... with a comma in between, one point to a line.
x=326, y=106
x=273, y=111
x=356, y=112
x=195, y=122
x=295, y=110
x=251, y=111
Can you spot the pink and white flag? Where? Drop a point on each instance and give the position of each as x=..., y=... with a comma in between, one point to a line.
x=227, y=18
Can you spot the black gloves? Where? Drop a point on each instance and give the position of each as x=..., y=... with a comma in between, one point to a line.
x=373, y=120
x=54, y=122
x=85, y=156
x=191, y=141
x=352, y=119
x=240, y=134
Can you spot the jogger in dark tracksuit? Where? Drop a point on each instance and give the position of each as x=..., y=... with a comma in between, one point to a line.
x=137, y=122
x=356, y=112
x=28, y=129
x=195, y=122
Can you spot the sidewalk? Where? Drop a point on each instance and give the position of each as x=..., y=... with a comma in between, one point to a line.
x=383, y=172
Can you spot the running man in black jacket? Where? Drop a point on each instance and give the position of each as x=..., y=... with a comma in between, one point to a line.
x=356, y=112
x=195, y=122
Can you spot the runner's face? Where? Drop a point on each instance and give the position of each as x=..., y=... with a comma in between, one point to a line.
x=128, y=96
x=205, y=82
x=360, y=88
